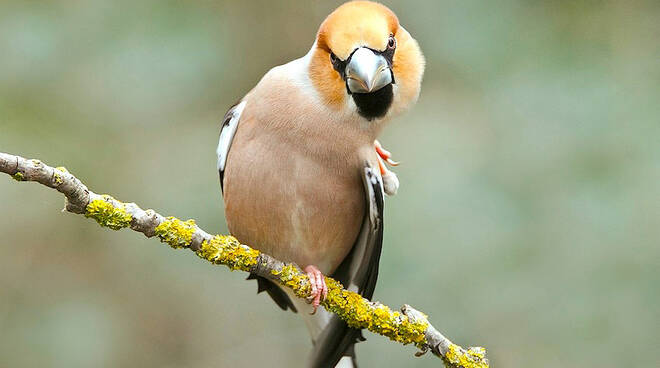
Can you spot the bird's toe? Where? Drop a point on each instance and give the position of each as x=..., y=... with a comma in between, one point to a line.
x=319, y=289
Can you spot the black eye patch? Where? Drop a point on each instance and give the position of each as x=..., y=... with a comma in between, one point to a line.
x=339, y=65
x=388, y=54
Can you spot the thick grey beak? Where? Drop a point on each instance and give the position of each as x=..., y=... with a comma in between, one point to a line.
x=367, y=71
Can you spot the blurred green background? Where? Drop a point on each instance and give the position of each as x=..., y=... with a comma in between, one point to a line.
x=528, y=220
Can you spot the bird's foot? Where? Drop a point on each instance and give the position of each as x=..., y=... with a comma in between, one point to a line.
x=384, y=154
x=390, y=180
x=319, y=288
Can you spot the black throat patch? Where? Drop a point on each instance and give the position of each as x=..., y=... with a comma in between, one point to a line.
x=374, y=104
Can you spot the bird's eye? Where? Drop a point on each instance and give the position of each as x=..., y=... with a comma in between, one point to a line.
x=337, y=64
x=391, y=43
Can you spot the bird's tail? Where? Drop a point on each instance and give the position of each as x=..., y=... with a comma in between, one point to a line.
x=348, y=360
x=335, y=345
x=333, y=340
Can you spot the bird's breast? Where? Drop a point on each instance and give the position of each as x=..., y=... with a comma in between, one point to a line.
x=291, y=204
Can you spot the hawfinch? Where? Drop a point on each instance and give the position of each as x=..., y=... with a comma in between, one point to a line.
x=302, y=174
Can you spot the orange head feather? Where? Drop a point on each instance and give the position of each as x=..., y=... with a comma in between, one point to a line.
x=367, y=24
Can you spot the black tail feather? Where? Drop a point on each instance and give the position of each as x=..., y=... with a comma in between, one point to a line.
x=279, y=297
x=336, y=341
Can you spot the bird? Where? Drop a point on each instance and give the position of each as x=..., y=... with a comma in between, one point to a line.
x=302, y=173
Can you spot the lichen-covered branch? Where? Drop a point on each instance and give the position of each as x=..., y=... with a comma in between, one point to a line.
x=407, y=326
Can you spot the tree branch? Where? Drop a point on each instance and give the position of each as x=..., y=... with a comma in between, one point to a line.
x=407, y=327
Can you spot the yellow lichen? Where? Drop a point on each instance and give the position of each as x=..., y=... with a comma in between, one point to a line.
x=474, y=357
x=58, y=178
x=108, y=215
x=176, y=233
x=292, y=277
x=357, y=311
x=360, y=313
x=18, y=177
x=228, y=251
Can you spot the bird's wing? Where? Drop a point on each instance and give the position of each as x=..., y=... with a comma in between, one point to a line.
x=227, y=131
x=358, y=272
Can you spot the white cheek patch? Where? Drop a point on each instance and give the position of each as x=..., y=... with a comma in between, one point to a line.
x=227, y=132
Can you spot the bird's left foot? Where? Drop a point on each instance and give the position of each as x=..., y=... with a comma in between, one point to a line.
x=384, y=154
x=390, y=180
x=319, y=288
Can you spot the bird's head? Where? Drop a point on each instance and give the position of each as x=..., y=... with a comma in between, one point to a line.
x=364, y=60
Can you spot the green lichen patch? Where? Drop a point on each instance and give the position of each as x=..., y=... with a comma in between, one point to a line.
x=176, y=233
x=18, y=177
x=473, y=357
x=228, y=251
x=108, y=215
x=58, y=178
x=62, y=169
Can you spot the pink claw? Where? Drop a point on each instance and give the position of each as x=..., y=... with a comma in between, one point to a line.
x=319, y=288
x=384, y=154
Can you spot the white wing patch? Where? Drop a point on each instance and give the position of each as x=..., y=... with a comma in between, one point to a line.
x=375, y=179
x=227, y=132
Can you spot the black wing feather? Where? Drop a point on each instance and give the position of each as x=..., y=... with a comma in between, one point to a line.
x=358, y=272
x=278, y=295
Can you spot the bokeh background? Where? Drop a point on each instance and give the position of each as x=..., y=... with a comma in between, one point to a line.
x=528, y=220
